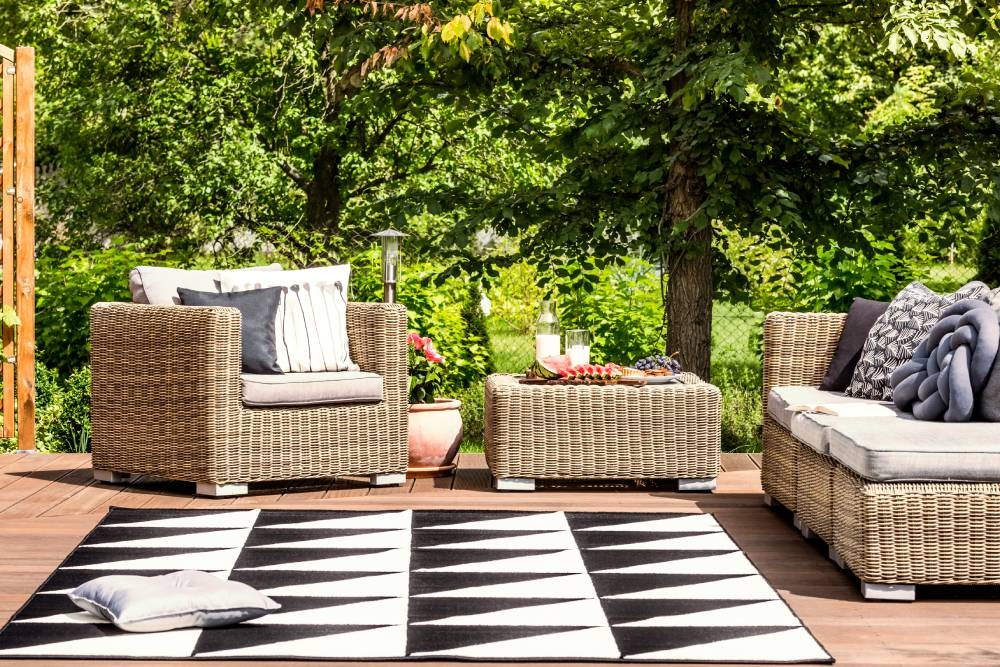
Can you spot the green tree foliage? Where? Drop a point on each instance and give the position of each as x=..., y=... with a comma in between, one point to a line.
x=196, y=125
x=787, y=122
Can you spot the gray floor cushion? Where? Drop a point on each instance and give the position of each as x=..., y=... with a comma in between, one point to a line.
x=906, y=449
x=301, y=389
x=185, y=599
x=781, y=397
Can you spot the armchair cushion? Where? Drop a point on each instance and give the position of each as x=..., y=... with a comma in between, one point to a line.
x=303, y=389
x=259, y=353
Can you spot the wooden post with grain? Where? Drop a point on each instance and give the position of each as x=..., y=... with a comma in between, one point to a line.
x=17, y=244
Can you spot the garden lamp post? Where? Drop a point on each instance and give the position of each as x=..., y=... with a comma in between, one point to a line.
x=390, y=262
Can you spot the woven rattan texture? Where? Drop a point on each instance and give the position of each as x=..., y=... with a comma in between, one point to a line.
x=166, y=400
x=814, y=500
x=612, y=432
x=798, y=348
x=919, y=533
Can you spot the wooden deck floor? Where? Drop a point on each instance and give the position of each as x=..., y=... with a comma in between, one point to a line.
x=49, y=502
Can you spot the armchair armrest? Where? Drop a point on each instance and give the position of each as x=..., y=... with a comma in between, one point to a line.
x=166, y=382
x=798, y=347
x=377, y=336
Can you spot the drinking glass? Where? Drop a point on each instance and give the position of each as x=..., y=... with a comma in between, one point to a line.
x=578, y=346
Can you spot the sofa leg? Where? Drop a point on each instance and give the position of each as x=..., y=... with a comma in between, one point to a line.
x=896, y=592
x=221, y=490
x=837, y=559
x=807, y=533
x=514, y=484
x=110, y=476
x=768, y=500
x=696, y=484
x=388, y=479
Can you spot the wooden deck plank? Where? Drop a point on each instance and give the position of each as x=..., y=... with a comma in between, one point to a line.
x=756, y=458
x=737, y=462
x=948, y=628
x=28, y=483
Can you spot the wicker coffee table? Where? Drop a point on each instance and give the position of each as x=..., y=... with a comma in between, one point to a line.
x=669, y=431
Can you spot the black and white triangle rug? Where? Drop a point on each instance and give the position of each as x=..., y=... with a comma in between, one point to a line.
x=405, y=585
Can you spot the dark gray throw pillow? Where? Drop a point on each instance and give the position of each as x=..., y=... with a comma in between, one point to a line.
x=258, y=308
x=860, y=319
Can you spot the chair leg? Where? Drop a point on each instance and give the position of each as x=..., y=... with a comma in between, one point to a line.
x=696, y=484
x=896, y=592
x=388, y=479
x=221, y=490
x=110, y=476
x=514, y=484
x=837, y=558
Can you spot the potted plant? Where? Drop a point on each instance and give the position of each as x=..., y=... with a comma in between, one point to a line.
x=435, y=424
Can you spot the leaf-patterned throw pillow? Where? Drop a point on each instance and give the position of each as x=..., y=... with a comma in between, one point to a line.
x=897, y=333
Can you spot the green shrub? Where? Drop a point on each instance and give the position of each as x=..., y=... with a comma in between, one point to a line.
x=476, y=332
x=989, y=247
x=740, y=384
x=62, y=410
x=873, y=269
x=618, y=304
x=70, y=281
x=438, y=312
x=473, y=416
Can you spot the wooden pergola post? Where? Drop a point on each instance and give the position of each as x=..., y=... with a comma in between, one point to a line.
x=17, y=244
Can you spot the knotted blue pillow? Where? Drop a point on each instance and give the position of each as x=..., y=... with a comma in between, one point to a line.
x=950, y=367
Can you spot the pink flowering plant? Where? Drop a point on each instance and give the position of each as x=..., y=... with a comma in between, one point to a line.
x=426, y=368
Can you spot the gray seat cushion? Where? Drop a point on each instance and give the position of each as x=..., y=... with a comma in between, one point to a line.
x=905, y=449
x=781, y=397
x=301, y=389
x=813, y=429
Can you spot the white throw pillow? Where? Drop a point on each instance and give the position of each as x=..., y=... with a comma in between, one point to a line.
x=311, y=324
x=157, y=285
x=186, y=599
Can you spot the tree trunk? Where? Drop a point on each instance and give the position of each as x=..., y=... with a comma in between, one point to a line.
x=688, y=295
x=324, y=201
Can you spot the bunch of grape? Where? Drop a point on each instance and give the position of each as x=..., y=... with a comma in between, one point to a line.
x=658, y=361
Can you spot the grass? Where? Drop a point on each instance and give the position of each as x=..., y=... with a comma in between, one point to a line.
x=736, y=370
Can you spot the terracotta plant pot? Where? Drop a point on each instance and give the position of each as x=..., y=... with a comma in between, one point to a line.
x=435, y=433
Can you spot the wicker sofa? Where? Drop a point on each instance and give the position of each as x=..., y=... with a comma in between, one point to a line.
x=166, y=402
x=893, y=531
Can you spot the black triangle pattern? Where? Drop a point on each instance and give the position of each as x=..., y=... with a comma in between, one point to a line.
x=472, y=585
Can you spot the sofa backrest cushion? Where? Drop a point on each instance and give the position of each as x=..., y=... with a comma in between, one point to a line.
x=259, y=350
x=860, y=319
x=311, y=323
x=898, y=331
x=157, y=285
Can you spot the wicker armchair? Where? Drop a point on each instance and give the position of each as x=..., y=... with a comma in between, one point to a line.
x=166, y=402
